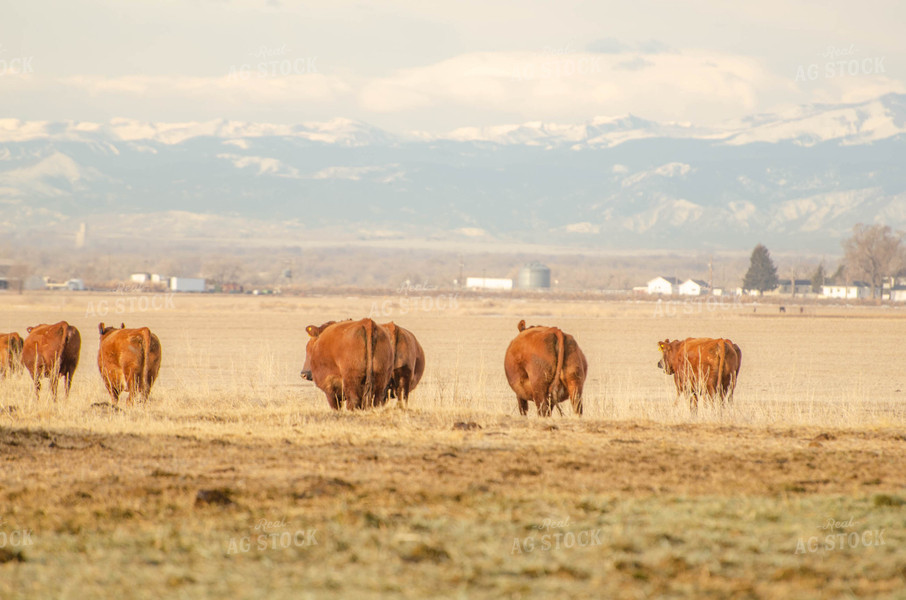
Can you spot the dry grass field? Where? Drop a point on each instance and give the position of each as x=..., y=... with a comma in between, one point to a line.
x=236, y=480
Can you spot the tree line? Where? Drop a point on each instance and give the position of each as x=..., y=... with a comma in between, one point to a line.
x=873, y=254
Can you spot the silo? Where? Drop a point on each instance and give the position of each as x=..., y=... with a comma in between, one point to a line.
x=534, y=276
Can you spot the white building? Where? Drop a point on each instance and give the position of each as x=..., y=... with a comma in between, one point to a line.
x=187, y=284
x=800, y=287
x=488, y=283
x=898, y=293
x=140, y=277
x=693, y=287
x=847, y=292
x=662, y=285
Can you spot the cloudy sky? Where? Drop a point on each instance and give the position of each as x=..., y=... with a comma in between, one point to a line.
x=424, y=66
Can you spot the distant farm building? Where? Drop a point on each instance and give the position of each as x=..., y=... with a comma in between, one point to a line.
x=898, y=293
x=854, y=291
x=663, y=285
x=488, y=283
x=534, y=276
x=7, y=280
x=694, y=287
x=187, y=284
x=794, y=288
x=73, y=285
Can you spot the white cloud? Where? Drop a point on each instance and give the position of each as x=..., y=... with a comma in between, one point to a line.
x=667, y=86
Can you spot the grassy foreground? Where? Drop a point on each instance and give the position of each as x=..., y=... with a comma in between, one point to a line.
x=416, y=504
x=236, y=481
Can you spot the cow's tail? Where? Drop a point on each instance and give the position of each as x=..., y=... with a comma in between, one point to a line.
x=721, y=360
x=368, y=394
x=558, y=371
x=64, y=340
x=146, y=362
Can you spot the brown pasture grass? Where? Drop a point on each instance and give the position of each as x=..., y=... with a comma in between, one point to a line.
x=430, y=502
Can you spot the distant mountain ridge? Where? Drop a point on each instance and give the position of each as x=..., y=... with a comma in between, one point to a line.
x=800, y=179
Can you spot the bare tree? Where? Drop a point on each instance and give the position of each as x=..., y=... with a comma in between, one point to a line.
x=221, y=270
x=872, y=254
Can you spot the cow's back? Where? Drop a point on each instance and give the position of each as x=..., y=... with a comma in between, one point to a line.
x=43, y=347
x=340, y=353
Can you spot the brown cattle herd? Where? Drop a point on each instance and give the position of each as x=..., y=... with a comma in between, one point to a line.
x=361, y=364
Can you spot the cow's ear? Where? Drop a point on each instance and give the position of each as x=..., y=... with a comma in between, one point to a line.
x=101, y=328
x=122, y=325
x=312, y=331
x=521, y=325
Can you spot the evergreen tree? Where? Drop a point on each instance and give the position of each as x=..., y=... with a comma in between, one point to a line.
x=819, y=277
x=762, y=273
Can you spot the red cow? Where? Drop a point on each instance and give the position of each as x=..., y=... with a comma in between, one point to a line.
x=545, y=365
x=128, y=359
x=703, y=366
x=52, y=351
x=350, y=361
x=10, y=353
x=408, y=362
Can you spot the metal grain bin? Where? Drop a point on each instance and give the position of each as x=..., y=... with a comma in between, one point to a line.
x=534, y=276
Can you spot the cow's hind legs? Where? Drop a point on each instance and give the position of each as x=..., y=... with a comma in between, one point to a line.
x=523, y=406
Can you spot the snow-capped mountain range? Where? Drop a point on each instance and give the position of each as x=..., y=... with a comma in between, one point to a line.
x=795, y=180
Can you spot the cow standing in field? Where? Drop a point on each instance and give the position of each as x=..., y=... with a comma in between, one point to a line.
x=350, y=361
x=546, y=366
x=408, y=362
x=52, y=351
x=701, y=366
x=10, y=353
x=128, y=359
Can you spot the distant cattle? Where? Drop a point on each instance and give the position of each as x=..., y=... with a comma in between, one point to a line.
x=408, y=362
x=546, y=366
x=52, y=351
x=701, y=366
x=129, y=360
x=350, y=361
x=10, y=353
